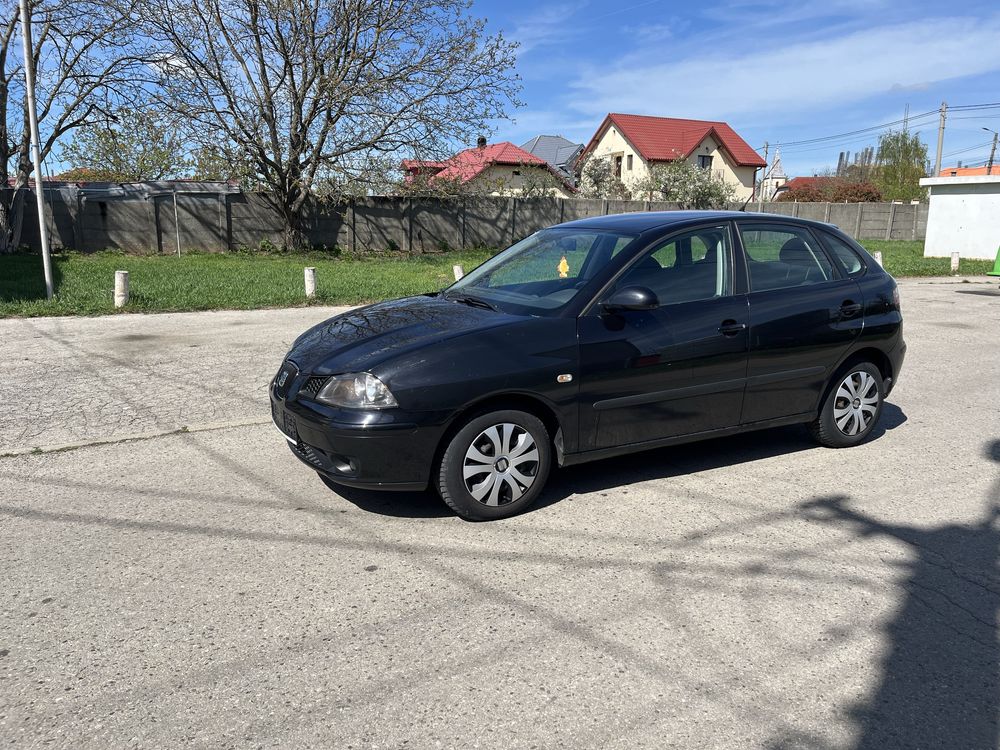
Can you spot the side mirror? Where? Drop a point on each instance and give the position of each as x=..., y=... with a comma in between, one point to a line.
x=631, y=298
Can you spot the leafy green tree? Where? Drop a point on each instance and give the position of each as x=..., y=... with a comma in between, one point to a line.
x=682, y=182
x=132, y=147
x=900, y=163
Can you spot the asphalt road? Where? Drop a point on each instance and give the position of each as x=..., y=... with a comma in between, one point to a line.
x=203, y=589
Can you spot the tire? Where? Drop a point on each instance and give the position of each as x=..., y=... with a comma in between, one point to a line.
x=852, y=408
x=495, y=466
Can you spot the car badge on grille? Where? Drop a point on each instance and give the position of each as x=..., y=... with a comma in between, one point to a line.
x=282, y=378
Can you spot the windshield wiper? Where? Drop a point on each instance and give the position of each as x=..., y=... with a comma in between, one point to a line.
x=472, y=301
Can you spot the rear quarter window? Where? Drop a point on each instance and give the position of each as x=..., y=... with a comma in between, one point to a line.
x=849, y=258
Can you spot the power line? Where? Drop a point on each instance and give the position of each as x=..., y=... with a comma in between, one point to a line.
x=883, y=126
x=969, y=148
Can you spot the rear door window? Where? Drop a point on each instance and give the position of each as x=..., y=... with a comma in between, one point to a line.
x=781, y=256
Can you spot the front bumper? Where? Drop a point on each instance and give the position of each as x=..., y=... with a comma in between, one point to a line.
x=389, y=449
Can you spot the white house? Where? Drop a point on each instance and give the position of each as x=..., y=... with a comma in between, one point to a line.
x=634, y=143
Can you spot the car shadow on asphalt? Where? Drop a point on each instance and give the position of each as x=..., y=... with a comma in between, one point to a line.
x=620, y=472
x=940, y=681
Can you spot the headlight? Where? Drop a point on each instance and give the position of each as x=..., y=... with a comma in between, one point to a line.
x=356, y=390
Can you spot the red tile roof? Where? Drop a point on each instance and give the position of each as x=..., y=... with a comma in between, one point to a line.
x=670, y=138
x=968, y=171
x=818, y=182
x=470, y=163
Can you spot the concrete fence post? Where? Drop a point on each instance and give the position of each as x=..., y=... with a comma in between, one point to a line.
x=954, y=262
x=121, y=288
x=892, y=218
x=310, y=278
x=513, y=219
x=458, y=271
x=826, y=212
x=465, y=220
x=857, y=223
x=408, y=210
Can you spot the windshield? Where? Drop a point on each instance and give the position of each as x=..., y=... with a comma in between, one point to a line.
x=541, y=273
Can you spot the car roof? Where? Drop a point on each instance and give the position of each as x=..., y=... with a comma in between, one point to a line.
x=644, y=221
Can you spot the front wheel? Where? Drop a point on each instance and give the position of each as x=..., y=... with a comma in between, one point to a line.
x=495, y=466
x=852, y=408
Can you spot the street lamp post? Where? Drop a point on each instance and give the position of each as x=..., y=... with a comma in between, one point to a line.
x=36, y=154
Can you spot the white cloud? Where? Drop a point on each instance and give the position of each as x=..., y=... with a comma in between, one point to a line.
x=723, y=81
x=546, y=26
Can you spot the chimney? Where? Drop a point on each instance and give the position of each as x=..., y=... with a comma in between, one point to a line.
x=481, y=142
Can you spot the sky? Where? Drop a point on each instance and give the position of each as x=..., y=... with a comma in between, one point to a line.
x=777, y=72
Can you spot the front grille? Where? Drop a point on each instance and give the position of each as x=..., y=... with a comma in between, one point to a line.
x=284, y=379
x=313, y=385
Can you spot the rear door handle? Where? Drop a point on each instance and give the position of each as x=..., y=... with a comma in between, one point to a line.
x=731, y=327
x=849, y=308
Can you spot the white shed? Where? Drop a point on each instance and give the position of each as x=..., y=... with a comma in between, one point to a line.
x=964, y=216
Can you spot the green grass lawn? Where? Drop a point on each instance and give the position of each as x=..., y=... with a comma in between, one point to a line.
x=209, y=281
x=906, y=258
x=85, y=283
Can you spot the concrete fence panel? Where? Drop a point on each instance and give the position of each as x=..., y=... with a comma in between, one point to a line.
x=252, y=220
x=532, y=214
x=488, y=222
x=382, y=223
x=874, y=220
x=437, y=225
x=210, y=220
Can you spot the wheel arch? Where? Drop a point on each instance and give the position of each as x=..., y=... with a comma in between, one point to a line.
x=496, y=402
x=866, y=354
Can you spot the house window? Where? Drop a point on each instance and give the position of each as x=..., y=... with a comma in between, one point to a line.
x=618, y=167
x=705, y=162
x=628, y=163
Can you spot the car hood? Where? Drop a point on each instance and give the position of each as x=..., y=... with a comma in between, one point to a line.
x=359, y=340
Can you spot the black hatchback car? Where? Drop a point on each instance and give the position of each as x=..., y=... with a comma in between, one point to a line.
x=591, y=339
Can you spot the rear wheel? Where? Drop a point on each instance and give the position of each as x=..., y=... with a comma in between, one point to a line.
x=851, y=409
x=495, y=466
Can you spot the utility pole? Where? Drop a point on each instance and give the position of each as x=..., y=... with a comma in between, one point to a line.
x=940, y=145
x=993, y=151
x=36, y=153
x=760, y=188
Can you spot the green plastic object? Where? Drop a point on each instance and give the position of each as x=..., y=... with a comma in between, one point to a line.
x=996, y=266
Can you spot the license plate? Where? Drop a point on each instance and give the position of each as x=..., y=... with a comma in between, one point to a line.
x=280, y=419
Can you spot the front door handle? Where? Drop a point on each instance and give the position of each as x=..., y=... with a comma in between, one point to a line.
x=731, y=327
x=849, y=308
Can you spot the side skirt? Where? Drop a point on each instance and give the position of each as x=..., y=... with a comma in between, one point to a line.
x=570, y=459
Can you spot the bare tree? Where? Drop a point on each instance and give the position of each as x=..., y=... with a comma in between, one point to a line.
x=85, y=67
x=314, y=89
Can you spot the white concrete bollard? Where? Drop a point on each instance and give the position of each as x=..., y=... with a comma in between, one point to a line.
x=121, y=288
x=878, y=258
x=954, y=262
x=458, y=271
x=310, y=282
